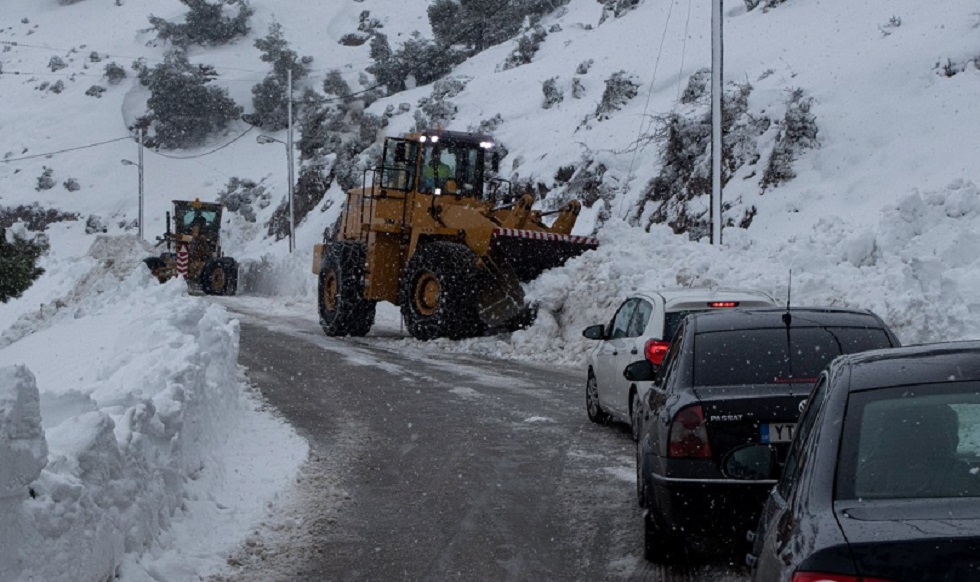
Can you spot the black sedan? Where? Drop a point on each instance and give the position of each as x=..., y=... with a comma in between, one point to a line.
x=730, y=381
x=892, y=493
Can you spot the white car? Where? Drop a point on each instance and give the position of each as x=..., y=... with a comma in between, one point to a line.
x=642, y=328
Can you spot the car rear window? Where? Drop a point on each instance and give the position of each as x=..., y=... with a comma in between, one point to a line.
x=911, y=442
x=776, y=355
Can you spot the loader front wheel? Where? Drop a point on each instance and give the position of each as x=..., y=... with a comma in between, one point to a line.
x=439, y=294
x=220, y=277
x=343, y=309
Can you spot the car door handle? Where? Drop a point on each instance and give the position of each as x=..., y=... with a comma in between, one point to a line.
x=633, y=351
x=615, y=352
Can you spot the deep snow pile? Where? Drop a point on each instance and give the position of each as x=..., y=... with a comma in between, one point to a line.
x=124, y=412
x=917, y=269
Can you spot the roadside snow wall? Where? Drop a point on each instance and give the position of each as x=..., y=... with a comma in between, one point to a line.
x=136, y=385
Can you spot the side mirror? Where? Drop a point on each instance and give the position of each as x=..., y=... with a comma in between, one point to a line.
x=751, y=462
x=595, y=332
x=401, y=154
x=640, y=371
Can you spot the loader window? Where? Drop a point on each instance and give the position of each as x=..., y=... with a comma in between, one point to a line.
x=398, y=171
x=205, y=220
x=453, y=169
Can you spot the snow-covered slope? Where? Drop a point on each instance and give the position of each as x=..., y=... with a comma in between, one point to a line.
x=883, y=213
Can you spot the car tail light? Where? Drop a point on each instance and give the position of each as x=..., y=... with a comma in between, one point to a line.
x=821, y=577
x=721, y=304
x=655, y=350
x=688, y=435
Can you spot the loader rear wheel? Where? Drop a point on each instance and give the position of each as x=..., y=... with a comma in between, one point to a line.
x=220, y=277
x=440, y=291
x=343, y=309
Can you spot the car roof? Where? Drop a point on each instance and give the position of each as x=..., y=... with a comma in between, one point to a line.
x=676, y=297
x=920, y=364
x=731, y=319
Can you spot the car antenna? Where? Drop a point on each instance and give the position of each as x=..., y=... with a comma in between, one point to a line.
x=787, y=317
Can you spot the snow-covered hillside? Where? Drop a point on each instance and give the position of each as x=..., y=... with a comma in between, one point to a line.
x=883, y=212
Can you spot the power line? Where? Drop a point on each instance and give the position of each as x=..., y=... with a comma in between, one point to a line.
x=91, y=145
x=646, y=106
x=28, y=74
x=219, y=148
x=107, y=55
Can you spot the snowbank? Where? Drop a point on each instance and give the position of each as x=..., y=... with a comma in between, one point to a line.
x=142, y=413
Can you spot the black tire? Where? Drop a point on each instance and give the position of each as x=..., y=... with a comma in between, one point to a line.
x=641, y=484
x=658, y=545
x=340, y=297
x=219, y=277
x=592, y=406
x=439, y=292
x=635, y=420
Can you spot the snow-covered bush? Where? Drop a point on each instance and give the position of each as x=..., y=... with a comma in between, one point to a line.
x=270, y=97
x=56, y=64
x=72, y=185
x=616, y=8
x=678, y=195
x=419, y=61
x=114, y=73
x=94, y=225
x=18, y=262
x=697, y=86
x=621, y=87
x=480, y=25
x=184, y=109
x=766, y=4
x=46, y=180
x=798, y=133
x=34, y=217
x=243, y=196
x=527, y=45
x=205, y=23
x=95, y=91
x=553, y=94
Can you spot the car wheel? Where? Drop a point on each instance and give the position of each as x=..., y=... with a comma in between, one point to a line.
x=659, y=546
x=635, y=415
x=641, y=485
x=592, y=406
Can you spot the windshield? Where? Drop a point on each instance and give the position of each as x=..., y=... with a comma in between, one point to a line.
x=452, y=168
x=776, y=355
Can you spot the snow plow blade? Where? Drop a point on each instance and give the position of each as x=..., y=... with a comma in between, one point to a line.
x=530, y=252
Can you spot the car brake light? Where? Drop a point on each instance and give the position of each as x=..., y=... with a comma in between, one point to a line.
x=822, y=577
x=655, y=350
x=717, y=304
x=688, y=435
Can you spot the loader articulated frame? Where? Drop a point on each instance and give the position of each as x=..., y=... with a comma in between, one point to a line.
x=432, y=231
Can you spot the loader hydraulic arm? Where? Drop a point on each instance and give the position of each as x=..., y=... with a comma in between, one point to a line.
x=567, y=217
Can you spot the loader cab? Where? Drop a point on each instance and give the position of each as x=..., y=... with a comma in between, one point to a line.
x=440, y=162
x=206, y=218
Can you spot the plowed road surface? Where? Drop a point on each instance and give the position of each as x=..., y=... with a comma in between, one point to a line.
x=430, y=465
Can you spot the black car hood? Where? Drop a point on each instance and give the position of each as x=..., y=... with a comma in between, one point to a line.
x=924, y=540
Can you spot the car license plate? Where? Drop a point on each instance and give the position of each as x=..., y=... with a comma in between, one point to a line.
x=778, y=432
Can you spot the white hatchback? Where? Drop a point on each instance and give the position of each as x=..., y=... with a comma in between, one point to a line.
x=642, y=328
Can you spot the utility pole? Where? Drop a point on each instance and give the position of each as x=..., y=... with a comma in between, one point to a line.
x=139, y=165
x=717, y=75
x=289, y=155
x=141, y=182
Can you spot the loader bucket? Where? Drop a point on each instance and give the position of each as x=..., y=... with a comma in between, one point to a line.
x=530, y=252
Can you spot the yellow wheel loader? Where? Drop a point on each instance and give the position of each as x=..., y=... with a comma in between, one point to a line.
x=430, y=231
x=194, y=250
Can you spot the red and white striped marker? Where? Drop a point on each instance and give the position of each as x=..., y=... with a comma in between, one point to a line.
x=539, y=235
x=182, y=259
